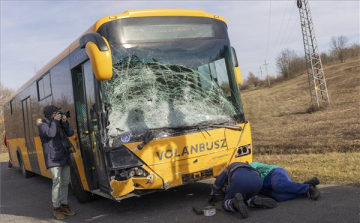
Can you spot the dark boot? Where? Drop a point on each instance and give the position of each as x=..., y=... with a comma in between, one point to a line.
x=313, y=192
x=262, y=202
x=313, y=181
x=240, y=206
x=65, y=209
x=58, y=214
x=10, y=165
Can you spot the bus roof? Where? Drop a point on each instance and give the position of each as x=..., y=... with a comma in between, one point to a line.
x=96, y=26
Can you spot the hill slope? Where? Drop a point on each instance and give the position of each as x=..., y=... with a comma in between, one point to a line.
x=281, y=122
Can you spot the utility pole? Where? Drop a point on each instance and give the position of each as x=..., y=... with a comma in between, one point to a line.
x=260, y=72
x=316, y=77
x=267, y=73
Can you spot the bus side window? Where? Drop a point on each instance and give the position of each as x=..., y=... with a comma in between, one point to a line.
x=11, y=107
x=44, y=87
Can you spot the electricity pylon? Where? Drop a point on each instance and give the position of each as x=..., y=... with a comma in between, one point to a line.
x=318, y=90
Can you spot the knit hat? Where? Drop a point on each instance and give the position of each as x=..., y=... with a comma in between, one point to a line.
x=49, y=110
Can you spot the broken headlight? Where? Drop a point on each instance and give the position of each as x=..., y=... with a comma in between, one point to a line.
x=243, y=151
x=123, y=164
x=123, y=158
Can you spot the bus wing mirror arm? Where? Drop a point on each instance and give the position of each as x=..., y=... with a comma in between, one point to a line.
x=236, y=67
x=98, y=50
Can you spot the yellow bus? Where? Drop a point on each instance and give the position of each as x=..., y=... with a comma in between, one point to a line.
x=154, y=101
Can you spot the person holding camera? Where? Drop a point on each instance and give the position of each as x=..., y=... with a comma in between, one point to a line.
x=53, y=131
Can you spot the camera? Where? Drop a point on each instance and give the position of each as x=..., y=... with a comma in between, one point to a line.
x=67, y=114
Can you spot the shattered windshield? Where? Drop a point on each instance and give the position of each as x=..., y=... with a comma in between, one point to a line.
x=170, y=84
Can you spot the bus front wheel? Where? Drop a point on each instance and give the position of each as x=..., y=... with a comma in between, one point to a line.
x=81, y=195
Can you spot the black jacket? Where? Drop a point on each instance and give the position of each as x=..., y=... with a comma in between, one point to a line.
x=52, y=138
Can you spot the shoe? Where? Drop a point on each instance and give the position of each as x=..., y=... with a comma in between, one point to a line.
x=65, y=209
x=313, y=192
x=313, y=181
x=262, y=202
x=10, y=166
x=240, y=206
x=58, y=214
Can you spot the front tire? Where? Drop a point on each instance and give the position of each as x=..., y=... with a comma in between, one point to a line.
x=81, y=195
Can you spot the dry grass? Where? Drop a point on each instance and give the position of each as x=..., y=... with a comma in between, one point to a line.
x=282, y=124
x=4, y=157
x=331, y=168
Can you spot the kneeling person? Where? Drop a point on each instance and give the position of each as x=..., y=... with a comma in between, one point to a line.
x=243, y=184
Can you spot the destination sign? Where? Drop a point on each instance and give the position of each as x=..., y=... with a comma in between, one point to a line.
x=167, y=32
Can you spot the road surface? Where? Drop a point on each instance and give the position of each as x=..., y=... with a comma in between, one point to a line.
x=29, y=200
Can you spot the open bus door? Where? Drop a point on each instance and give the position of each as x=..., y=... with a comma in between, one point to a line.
x=86, y=108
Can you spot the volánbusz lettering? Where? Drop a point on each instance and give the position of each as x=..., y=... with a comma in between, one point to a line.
x=191, y=149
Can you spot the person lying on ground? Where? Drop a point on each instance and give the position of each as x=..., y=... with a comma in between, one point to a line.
x=278, y=185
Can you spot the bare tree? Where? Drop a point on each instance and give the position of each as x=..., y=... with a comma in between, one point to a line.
x=253, y=80
x=4, y=95
x=325, y=58
x=288, y=63
x=338, y=45
x=354, y=50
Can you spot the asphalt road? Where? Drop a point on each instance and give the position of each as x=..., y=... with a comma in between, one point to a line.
x=29, y=200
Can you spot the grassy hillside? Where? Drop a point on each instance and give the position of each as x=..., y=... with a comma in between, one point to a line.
x=281, y=121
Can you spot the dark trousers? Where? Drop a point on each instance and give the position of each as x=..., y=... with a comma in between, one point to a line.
x=278, y=185
x=243, y=181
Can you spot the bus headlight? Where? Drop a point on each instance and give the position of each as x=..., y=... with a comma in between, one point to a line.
x=243, y=151
x=139, y=172
x=123, y=158
x=131, y=173
x=123, y=164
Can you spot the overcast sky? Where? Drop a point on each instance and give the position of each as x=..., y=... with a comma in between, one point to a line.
x=33, y=32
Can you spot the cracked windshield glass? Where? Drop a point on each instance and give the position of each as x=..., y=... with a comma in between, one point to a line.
x=177, y=75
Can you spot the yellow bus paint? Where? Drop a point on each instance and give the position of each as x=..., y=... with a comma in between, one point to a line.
x=41, y=159
x=169, y=158
x=155, y=13
x=79, y=162
x=13, y=152
x=122, y=188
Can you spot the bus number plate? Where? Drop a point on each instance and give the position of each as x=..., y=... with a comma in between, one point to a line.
x=196, y=176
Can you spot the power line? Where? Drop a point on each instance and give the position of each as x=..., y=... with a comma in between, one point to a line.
x=287, y=25
x=277, y=38
x=295, y=23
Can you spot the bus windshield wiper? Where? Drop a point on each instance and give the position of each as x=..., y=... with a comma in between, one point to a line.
x=147, y=139
x=220, y=125
x=234, y=127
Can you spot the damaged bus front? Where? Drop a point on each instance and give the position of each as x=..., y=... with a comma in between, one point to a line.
x=170, y=113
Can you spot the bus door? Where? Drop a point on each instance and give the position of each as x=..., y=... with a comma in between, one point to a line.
x=29, y=135
x=87, y=123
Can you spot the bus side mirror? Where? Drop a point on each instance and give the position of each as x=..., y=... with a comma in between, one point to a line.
x=98, y=50
x=238, y=75
x=236, y=67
